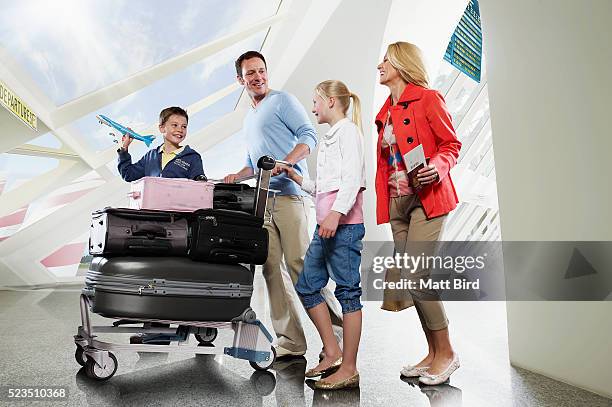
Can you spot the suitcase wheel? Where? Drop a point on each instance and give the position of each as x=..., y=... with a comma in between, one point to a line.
x=265, y=364
x=80, y=356
x=96, y=372
x=208, y=337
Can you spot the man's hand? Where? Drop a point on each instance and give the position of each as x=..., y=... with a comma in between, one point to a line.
x=329, y=225
x=231, y=178
x=428, y=174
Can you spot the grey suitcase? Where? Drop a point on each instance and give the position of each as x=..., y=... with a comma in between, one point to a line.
x=168, y=288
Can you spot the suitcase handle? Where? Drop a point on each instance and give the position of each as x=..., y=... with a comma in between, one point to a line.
x=147, y=229
x=134, y=194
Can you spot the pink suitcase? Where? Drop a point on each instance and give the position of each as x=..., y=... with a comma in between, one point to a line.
x=171, y=194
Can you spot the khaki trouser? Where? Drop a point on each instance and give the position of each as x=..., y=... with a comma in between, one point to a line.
x=410, y=224
x=289, y=238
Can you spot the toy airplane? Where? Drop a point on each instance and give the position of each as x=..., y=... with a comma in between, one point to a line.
x=124, y=130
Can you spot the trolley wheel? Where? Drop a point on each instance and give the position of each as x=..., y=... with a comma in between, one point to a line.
x=249, y=316
x=80, y=356
x=209, y=336
x=265, y=364
x=101, y=373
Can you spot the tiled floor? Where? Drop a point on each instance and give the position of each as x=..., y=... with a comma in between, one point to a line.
x=38, y=350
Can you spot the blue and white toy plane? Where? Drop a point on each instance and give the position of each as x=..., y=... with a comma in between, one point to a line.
x=124, y=130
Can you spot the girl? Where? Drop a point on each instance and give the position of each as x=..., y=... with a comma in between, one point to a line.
x=335, y=250
x=415, y=115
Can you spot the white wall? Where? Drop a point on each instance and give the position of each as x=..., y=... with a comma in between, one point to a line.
x=349, y=46
x=549, y=86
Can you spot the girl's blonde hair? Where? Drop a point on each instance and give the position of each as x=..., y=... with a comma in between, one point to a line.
x=343, y=95
x=408, y=60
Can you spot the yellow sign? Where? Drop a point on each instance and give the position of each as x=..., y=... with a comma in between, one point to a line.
x=16, y=106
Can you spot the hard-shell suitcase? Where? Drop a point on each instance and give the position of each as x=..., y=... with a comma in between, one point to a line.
x=168, y=288
x=224, y=236
x=121, y=231
x=236, y=197
x=171, y=194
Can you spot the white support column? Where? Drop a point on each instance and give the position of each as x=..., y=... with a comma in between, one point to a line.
x=549, y=87
x=15, y=132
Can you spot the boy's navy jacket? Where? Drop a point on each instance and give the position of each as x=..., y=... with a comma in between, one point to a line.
x=187, y=164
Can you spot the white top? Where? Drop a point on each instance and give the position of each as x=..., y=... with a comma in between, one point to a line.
x=340, y=165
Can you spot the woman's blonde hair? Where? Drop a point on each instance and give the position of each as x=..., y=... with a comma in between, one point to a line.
x=408, y=60
x=342, y=94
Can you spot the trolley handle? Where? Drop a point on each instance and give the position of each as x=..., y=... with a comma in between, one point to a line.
x=241, y=179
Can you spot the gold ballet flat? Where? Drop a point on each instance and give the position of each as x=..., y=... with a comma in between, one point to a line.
x=332, y=368
x=351, y=382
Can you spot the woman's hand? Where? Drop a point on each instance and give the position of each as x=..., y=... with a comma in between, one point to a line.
x=329, y=225
x=428, y=174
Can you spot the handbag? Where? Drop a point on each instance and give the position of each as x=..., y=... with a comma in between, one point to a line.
x=395, y=299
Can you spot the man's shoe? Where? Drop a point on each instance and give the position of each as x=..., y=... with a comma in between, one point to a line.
x=285, y=353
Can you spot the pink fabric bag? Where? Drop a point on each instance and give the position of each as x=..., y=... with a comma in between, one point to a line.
x=171, y=194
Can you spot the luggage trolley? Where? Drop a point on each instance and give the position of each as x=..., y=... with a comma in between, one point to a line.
x=252, y=341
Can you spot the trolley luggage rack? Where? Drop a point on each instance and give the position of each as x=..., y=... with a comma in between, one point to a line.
x=251, y=341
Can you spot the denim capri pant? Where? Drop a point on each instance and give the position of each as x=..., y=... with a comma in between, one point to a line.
x=338, y=257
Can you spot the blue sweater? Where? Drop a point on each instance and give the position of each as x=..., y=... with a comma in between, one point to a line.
x=274, y=127
x=187, y=164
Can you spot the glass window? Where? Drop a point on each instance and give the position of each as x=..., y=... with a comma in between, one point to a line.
x=15, y=169
x=140, y=110
x=73, y=47
x=47, y=140
x=447, y=74
x=226, y=157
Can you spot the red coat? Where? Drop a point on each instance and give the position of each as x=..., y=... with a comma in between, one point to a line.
x=419, y=117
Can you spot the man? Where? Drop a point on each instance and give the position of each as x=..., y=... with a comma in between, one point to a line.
x=277, y=125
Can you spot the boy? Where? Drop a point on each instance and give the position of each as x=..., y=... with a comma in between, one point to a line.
x=169, y=160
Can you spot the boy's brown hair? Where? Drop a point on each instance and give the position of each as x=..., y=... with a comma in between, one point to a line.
x=169, y=111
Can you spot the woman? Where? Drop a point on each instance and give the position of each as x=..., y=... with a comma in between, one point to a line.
x=415, y=115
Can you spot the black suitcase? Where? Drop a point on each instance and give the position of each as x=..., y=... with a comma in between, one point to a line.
x=120, y=232
x=167, y=288
x=236, y=197
x=224, y=236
